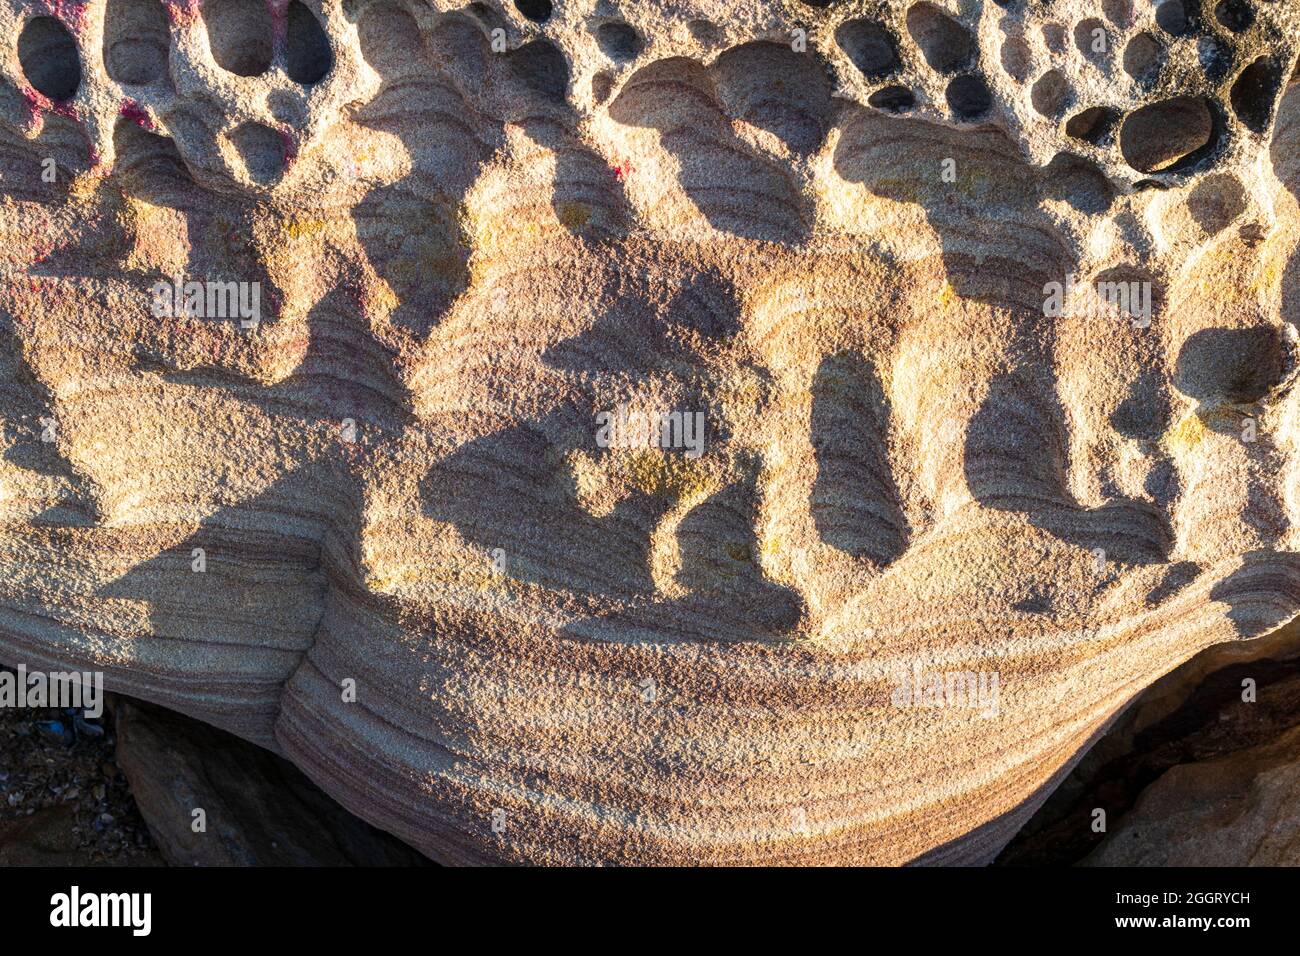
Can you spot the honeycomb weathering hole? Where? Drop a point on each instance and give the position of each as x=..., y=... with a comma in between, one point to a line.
x=1162, y=136
x=539, y=11
x=307, y=49
x=1016, y=58
x=968, y=96
x=262, y=150
x=239, y=34
x=1171, y=16
x=1092, y=125
x=1239, y=365
x=1142, y=58
x=1253, y=93
x=869, y=46
x=1236, y=15
x=49, y=58
x=136, y=41
x=619, y=41
x=892, y=99
x=1050, y=94
x=1091, y=38
x=945, y=43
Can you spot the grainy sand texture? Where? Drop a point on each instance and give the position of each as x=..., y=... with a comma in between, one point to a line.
x=675, y=431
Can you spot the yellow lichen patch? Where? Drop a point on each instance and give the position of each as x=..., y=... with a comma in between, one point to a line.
x=666, y=475
x=1186, y=435
x=573, y=215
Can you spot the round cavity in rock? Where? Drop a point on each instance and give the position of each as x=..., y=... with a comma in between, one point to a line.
x=1215, y=56
x=869, y=46
x=619, y=41
x=539, y=11
x=48, y=55
x=1236, y=15
x=1171, y=17
x=262, y=149
x=541, y=66
x=1016, y=58
x=1254, y=92
x=1216, y=202
x=1091, y=38
x=1050, y=94
x=240, y=34
x=945, y=43
x=1093, y=125
x=1054, y=37
x=136, y=41
x=1142, y=58
x=1164, y=136
x=1118, y=12
x=602, y=85
x=968, y=96
x=307, y=53
x=892, y=99
x=1238, y=365
x=389, y=38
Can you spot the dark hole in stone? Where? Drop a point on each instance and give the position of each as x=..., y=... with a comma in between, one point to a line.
x=539, y=11
x=602, y=85
x=262, y=150
x=1171, y=17
x=945, y=43
x=1142, y=58
x=894, y=99
x=49, y=58
x=619, y=41
x=1236, y=15
x=1016, y=58
x=136, y=41
x=869, y=46
x=1215, y=56
x=1254, y=93
x=1164, y=136
x=541, y=66
x=239, y=33
x=1092, y=125
x=1050, y=94
x=1054, y=37
x=968, y=96
x=1239, y=365
x=307, y=48
x=1118, y=12
x=1091, y=38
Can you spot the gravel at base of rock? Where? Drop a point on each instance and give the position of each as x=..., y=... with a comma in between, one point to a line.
x=65, y=805
x=257, y=808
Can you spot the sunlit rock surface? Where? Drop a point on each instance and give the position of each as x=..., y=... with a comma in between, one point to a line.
x=362, y=510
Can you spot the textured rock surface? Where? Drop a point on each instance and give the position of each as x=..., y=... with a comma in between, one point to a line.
x=1198, y=771
x=564, y=652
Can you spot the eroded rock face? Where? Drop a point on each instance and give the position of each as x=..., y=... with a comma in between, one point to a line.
x=376, y=525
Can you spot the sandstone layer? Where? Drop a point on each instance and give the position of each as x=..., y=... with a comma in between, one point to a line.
x=371, y=523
